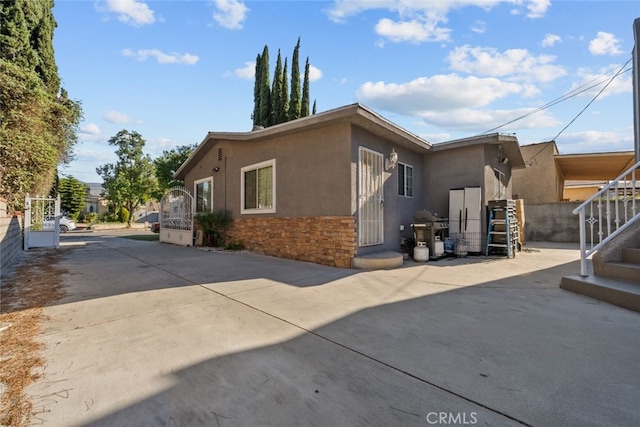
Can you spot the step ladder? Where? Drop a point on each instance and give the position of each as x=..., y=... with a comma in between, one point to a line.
x=502, y=234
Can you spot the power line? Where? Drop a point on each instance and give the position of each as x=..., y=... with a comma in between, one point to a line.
x=593, y=99
x=572, y=93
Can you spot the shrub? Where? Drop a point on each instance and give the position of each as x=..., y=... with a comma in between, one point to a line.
x=123, y=215
x=91, y=218
x=214, y=226
x=235, y=246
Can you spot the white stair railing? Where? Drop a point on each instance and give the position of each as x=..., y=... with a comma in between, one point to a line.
x=607, y=213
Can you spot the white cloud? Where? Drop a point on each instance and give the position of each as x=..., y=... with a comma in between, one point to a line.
x=517, y=64
x=414, y=31
x=230, y=14
x=247, y=72
x=593, y=141
x=605, y=44
x=480, y=120
x=116, y=117
x=479, y=27
x=550, y=40
x=588, y=78
x=155, y=146
x=419, y=21
x=456, y=103
x=131, y=11
x=315, y=73
x=161, y=57
x=90, y=129
x=537, y=8
x=437, y=93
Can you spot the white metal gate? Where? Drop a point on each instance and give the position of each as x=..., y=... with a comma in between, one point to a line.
x=371, y=198
x=41, y=222
x=176, y=217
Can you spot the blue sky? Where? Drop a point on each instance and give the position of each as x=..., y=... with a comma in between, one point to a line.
x=175, y=70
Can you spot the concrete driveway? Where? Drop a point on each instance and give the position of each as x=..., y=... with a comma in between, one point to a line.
x=152, y=334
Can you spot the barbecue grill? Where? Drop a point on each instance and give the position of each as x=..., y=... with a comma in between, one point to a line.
x=430, y=230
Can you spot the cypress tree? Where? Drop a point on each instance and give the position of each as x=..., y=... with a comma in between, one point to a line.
x=314, y=107
x=276, y=92
x=39, y=121
x=283, y=113
x=255, y=116
x=294, y=102
x=304, y=107
x=42, y=43
x=265, y=90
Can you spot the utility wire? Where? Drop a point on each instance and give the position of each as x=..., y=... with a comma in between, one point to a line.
x=572, y=93
x=593, y=99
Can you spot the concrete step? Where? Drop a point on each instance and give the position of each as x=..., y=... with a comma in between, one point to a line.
x=631, y=255
x=378, y=261
x=624, y=271
x=622, y=294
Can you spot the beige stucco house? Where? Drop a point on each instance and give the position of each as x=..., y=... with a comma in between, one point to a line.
x=565, y=177
x=340, y=184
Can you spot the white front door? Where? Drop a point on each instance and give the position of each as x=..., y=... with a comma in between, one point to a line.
x=370, y=198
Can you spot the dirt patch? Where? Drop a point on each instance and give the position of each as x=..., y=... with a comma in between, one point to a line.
x=34, y=283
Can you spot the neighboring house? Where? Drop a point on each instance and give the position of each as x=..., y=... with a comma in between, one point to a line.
x=565, y=177
x=95, y=204
x=553, y=185
x=326, y=188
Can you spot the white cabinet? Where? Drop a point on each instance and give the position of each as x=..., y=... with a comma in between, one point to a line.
x=465, y=216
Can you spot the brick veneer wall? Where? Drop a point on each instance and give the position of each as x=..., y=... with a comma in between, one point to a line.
x=328, y=240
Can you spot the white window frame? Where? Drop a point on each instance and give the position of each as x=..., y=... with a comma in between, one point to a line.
x=404, y=184
x=195, y=194
x=257, y=166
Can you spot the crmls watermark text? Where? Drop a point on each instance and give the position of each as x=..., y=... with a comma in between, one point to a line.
x=452, y=418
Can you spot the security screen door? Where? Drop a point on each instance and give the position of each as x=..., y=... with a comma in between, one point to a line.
x=370, y=198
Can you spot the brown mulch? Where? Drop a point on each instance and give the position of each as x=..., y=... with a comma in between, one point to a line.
x=34, y=282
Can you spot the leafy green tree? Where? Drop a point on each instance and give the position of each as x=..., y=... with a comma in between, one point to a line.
x=38, y=122
x=73, y=196
x=294, y=100
x=131, y=181
x=167, y=164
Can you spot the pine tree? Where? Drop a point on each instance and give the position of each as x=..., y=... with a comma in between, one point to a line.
x=276, y=92
x=294, y=101
x=265, y=90
x=73, y=195
x=304, y=106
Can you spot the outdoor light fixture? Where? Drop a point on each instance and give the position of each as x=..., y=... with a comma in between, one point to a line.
x=216, y=169
x=391, y=161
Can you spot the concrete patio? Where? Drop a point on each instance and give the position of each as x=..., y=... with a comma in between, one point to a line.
x=152, y=334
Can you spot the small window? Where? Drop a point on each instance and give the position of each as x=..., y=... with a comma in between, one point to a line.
x=204, y=195
x=405, y=180
x=258, y=188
